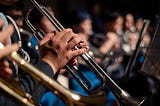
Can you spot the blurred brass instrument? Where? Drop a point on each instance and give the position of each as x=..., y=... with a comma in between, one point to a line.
x=70, y=97
x=15, y=93
x=10, y=88
x=122, y=96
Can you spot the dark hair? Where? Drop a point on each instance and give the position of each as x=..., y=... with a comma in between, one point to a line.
x=15, y=6
x=111, y=16
x=79, y=16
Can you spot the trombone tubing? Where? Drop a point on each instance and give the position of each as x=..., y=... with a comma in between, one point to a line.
x=59, y=27
x=121, y=95
x=67, y=96
x=39, y=34
x=14, y=93
x=87, y=58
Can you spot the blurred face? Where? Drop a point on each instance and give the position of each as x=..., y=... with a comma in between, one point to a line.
x=129, y=21
x=119, y=24
x=8, y=2
x=139, y=23
x=86, y=27
x=46, y=25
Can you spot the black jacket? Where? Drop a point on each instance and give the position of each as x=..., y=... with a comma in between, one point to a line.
x=30, y=85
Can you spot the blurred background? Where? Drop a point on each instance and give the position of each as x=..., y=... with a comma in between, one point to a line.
x=145, y=8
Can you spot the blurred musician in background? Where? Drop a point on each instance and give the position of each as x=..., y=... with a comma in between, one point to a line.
x=81, y=22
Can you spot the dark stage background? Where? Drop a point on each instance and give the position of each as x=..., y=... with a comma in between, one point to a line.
x=145, y=8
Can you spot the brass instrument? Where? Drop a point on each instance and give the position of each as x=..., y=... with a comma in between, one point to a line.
x=15, y=93
x=8, y=86
x=70, y=97
x=79, y=77
x=123, y=97
x=25, y=99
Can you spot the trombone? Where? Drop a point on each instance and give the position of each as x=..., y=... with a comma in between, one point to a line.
x=123, y=97
x=69, y=97
x=79, y=77
x=15, y=93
